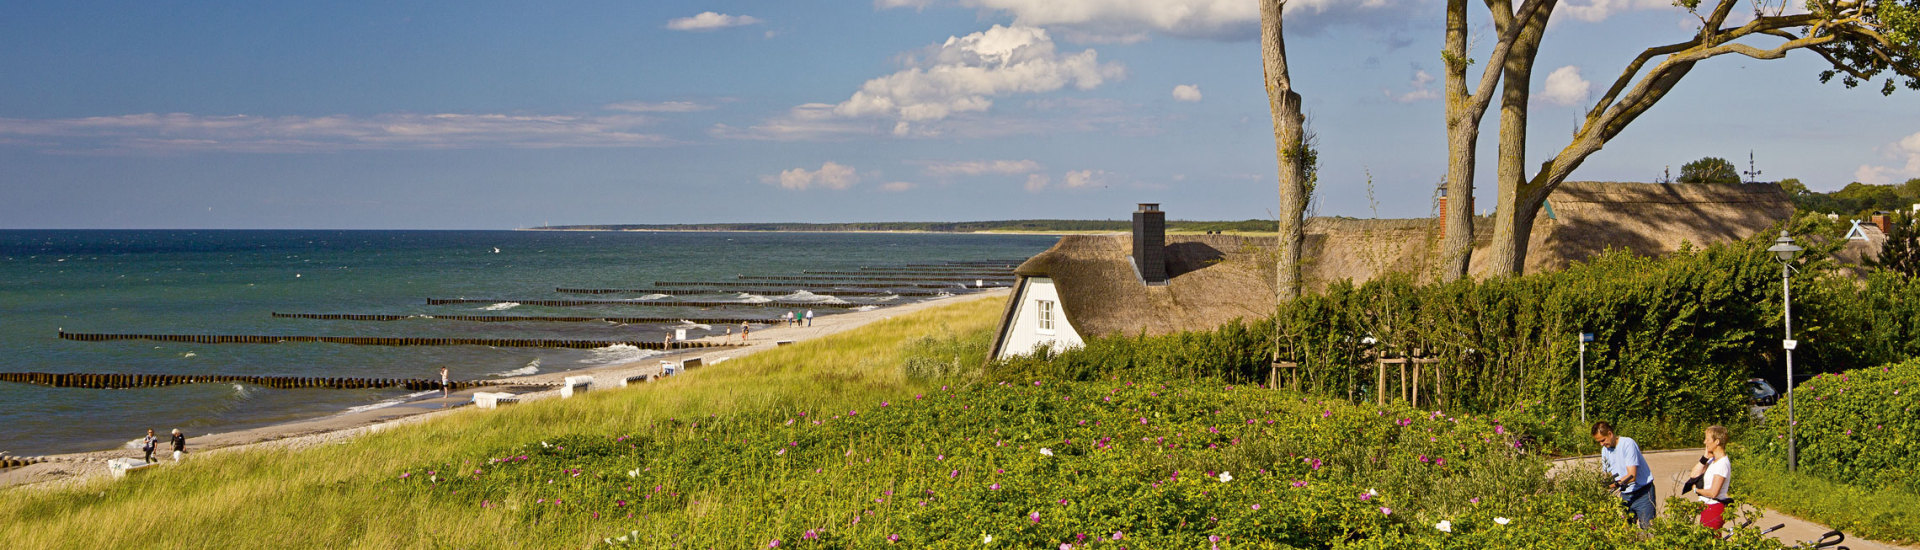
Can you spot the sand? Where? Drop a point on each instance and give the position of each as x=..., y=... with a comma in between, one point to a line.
x=61, y=470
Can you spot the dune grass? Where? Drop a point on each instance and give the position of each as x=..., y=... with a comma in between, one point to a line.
x=332, y=495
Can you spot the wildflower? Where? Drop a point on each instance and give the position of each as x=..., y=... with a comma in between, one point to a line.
x=774, y=544
x=1256, y=507
x=1046, y=451
x=995, y=487
x=986, y=539
x=405, y=475
x=1576, y=517
x=544, y=444
x=1118, y=535
x=1502, y=521
x=1225, y=477
x=893, y=538
x=809, y=535
x=1444, y=526
x=1499, y=430
x=780, y=452
x=1213, y=538
x=953, y=474
x=1386, y=511
x=1474, y=500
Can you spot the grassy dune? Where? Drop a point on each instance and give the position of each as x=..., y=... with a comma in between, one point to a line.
x=335, y=495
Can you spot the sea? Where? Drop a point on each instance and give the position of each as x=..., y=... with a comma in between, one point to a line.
x=232, y=281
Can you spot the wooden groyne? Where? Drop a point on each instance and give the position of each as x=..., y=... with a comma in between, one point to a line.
x=824, y=288
x=121, y=381
x=387, y=341
x=514, y=318
x=9, y=462
x=675, y=303
x=916, y=274
x=761, y=291
x=940, y=270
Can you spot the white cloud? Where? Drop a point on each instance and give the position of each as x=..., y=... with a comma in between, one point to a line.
x=1135, y=20
x=1906, y=151
x=184, y=132
x=657, y=106
x=1599, y=10
x=1085, y=178
x=896, y=186
x=1186, y=92
x=709, y=21
x=964, y=74
x=1422, y=85
x=1037, y=182
x=979, y=167
x=1565, y=87
x=831, y=175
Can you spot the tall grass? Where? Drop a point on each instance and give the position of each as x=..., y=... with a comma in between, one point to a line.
x=331, y=495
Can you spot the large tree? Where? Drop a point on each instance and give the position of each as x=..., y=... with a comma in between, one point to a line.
x=1465, y=110
x=1290, y=148
x=1862, y=41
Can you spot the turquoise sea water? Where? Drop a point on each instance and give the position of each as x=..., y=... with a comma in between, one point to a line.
x=229, y=282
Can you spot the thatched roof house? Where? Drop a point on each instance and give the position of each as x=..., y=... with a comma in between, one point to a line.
x=1090, y=284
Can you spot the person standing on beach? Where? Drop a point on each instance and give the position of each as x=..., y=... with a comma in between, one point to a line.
x=146, y=445
x=809, y=317
x=743, y=332
x=444, y=391
x=179, y=444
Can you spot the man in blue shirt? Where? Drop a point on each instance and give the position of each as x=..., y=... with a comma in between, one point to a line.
x=1621, y=457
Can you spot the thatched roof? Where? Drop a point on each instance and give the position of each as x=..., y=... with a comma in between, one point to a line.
x=1217, y=278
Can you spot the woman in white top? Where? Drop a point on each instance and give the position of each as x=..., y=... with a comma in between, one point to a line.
x=1716, y=473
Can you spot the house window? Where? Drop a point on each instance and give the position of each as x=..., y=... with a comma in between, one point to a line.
x=1045, y=309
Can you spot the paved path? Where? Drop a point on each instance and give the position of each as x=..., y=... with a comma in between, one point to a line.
x=1668, y=466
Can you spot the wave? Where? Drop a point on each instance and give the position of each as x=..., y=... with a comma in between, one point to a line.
x=242, y=392
x=189, y=354
x=387, y=403
x=617, y=353
x=804, y=296
x=501, y=306
x=532, y=368
x=649, y=297
x=752, y=298
x=887, y=298
x=690, y=325
x=866, y=308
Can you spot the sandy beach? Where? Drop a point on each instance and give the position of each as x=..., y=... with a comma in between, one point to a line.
x=316, y=431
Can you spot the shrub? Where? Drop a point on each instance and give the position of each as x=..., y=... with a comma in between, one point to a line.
x=1860, y=427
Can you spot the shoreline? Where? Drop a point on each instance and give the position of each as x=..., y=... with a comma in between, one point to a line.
x=76, y=467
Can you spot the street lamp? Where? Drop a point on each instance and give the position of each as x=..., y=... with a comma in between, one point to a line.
x=1784, y=250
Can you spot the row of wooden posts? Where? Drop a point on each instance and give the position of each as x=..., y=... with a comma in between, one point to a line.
x=676, y=303
x=761, y=290
x=100, y=380
x=390, y=341
x=871, y=278
x=1288, y=372
x=835, y=284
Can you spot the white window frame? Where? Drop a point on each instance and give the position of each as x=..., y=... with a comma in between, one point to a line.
x=1044, y=310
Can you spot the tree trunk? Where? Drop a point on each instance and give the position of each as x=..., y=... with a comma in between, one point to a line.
x=1509, y=255
x=1289, y=148
x=1463, y=137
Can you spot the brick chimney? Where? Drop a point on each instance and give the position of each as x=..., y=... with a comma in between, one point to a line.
x=1443, y=213
x=1879, y=220
x=1149, y=243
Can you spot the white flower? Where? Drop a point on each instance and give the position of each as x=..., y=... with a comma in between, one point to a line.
x=1046, y=451
x=1371, y=493
x=633, y=473
x=986, y=539
x=1225, y=477
x=544, y=444
x=1502, y=521
x=1444, y=526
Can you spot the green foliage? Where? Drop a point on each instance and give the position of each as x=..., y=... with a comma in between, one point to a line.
x=1237, y=352
x=1860, y=427
x=947, y=357
x=1709, y=170
x=1049, y=464
x=1858, y=199
x=1879, y=512
x=1794, y=188
x=1902, y=251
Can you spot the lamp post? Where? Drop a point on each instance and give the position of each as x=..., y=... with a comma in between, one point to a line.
x=1785, y=251
x=1584, y=338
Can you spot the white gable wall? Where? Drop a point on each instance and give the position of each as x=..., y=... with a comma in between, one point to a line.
x=1036, y=297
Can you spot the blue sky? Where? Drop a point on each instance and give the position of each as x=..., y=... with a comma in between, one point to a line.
x=502, y=115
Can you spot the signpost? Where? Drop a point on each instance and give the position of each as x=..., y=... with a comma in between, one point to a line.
x=1584, y=338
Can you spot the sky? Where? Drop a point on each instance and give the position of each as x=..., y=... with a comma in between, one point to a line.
x=500, y=115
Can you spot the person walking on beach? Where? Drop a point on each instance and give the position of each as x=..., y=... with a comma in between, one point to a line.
x=809, y=317
x=1621, y=457
x=743, y=332
x=179, y=444
x=1715, y=473
x=146, y=445
x=444, y=391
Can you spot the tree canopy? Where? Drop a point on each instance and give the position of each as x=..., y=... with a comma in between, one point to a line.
x=1709, y=170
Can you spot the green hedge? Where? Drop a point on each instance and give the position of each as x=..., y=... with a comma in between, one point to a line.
x=1860, y=427
x=1676, y=336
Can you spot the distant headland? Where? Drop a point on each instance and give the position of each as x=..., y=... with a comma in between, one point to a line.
x=1005, y=226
